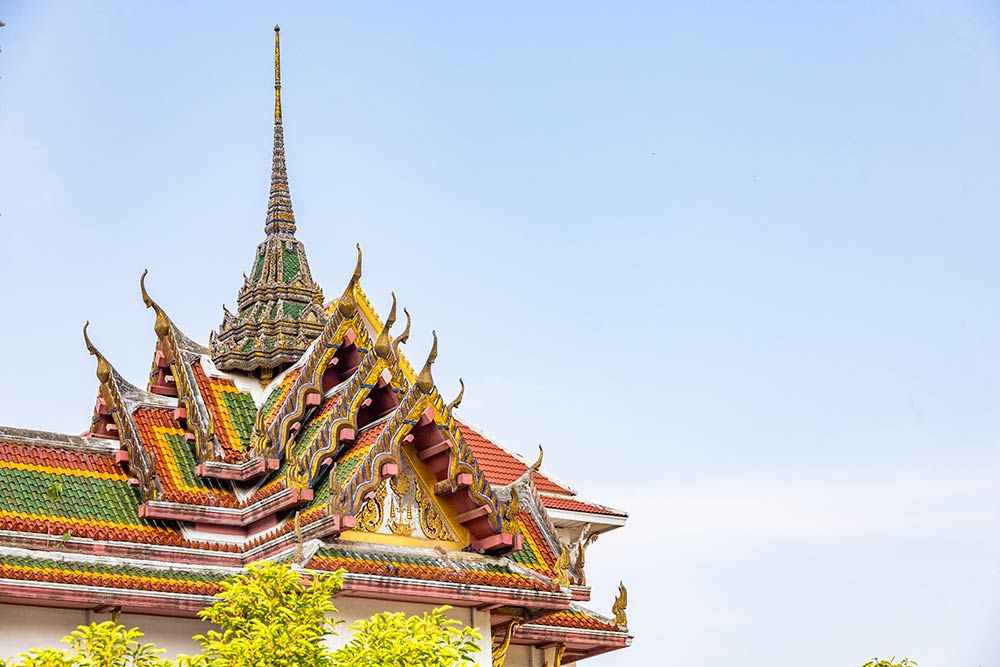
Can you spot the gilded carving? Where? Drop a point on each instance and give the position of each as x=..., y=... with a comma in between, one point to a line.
x=562, y=568
x=618, y=608
x=430, y=519
x=400, y=511
x=371, y=515
x=500, y=651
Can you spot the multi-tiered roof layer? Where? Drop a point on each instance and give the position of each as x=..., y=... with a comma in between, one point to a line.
x=345, y=458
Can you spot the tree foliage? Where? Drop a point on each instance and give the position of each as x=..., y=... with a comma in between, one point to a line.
x=269, y=617
x=905, y=662
x=395, y=640
x=274, y=616
x=97, y=645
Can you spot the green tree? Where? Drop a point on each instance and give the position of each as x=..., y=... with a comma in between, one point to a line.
x=905, y=662
x=269, y=616
x=395, y=640
x=97, y=645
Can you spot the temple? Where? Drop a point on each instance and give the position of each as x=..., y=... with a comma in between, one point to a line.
x=300, y=433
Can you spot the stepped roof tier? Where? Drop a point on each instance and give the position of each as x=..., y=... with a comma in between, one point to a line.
x=302, y=434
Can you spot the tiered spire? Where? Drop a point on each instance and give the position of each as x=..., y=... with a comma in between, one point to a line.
x=280, y=307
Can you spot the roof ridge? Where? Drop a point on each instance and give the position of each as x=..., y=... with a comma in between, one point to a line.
x=52, y=439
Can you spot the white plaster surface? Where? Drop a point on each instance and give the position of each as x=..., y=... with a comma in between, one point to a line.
x=23, y=627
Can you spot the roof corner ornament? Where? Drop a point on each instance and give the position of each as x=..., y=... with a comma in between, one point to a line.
x=558, y=655
x=458, y=399
x=347, y=303
x=537, y=465
x=337, y=506
x=561, y=568
x=425, y=381
x=500, y=651
x=162, y=324
x=103, y=367
x=403, y=337
x=383, y=347
x=618, y=608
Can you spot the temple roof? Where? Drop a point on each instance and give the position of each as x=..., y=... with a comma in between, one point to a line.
x=345, y=458
x=280, y=306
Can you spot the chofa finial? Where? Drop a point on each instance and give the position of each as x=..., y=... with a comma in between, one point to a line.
x=103, y=367
x=347, y=303
x=537, y=465
x=382, y=345
x=458, y=399
x=403, y=337
x=425, y=382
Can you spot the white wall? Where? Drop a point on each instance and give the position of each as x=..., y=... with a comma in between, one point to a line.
x=24, y=627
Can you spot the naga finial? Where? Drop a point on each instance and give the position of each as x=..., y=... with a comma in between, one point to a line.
x=347, y=304
x=162, y=325
x=382, y=345
x=425, y=382
x=458, y=399
x=537, y=465
x=403, y=337
x=142, y=286
x=618, y=608
x=103, y=367
x=500, y=651
x=277, y=75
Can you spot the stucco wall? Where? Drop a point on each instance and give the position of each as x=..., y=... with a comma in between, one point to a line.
x=24, y=627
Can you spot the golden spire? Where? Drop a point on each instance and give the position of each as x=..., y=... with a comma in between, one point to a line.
x=280, y=217
x=277, y=75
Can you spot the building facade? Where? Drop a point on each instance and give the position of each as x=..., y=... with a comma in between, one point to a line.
x=299, y=433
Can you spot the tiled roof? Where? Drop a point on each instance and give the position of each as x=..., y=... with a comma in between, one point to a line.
x=232, y=411
x=428, y=566
x=535, y=553
x=25, y=568
x=56, y=491
x=573, y=505
x=502, y=467
x=176, y=461
x=578, y=617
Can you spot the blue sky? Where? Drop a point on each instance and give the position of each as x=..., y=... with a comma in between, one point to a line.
x=734, y=266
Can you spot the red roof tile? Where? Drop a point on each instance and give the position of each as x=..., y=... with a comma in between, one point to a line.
x=502, y=467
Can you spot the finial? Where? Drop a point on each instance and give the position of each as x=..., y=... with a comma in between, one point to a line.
x=458, y=399
x=618, y=608
x=277, y=75
x=382, y=345
x=403, y=337
x=425, y=382
x=103, y=367
x=142, y=286
x=347, y=303
x=537, y=465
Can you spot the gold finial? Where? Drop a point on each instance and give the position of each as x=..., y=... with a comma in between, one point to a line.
x=618, y=608
x=103, y=367
x=403, y=337
x=425, y=382
x=458, y=399
x=382, y=345
x=537, y=465
x=162, y=325
x=561, y=569
x=500, y=652
x=347, y=303
x=277, y=75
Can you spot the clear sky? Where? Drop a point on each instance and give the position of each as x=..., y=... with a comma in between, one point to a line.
x=736, y=267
